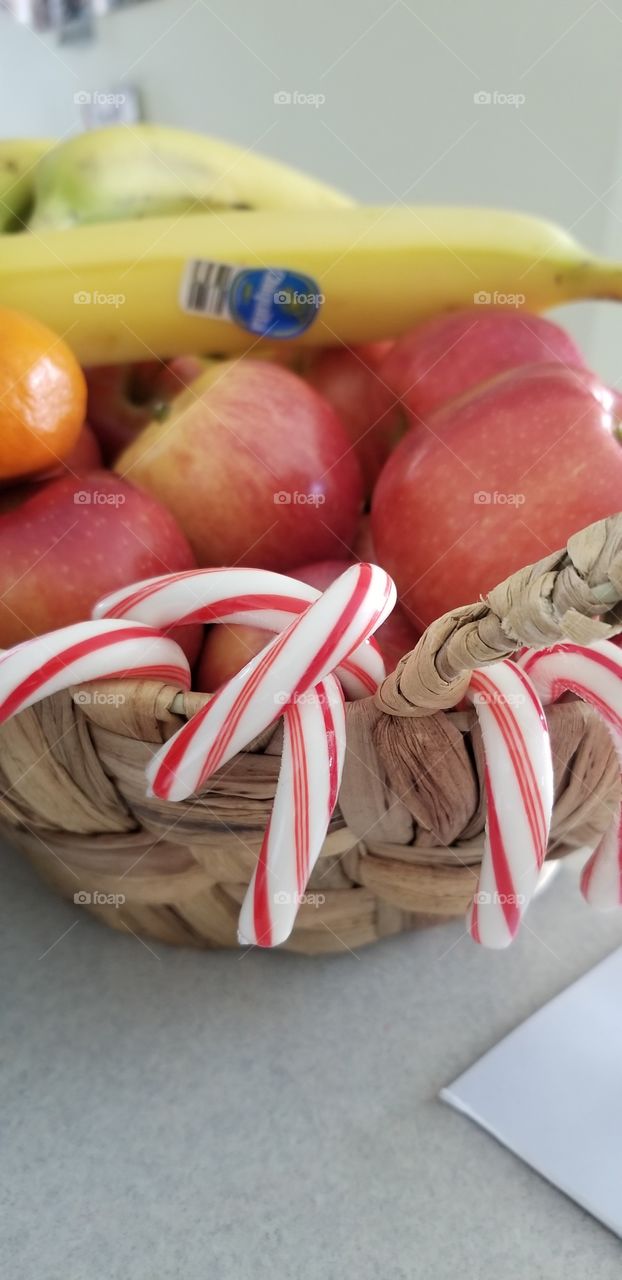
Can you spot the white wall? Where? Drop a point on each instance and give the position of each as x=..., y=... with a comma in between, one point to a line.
x=399, y=117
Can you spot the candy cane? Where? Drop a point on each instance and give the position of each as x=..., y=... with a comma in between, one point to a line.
x=314, y=738
x=307, y=650
x=292, y=674
x=593, y=673
x=314, y=721
x=82, y=652
x=519, y=797
x=255, y=597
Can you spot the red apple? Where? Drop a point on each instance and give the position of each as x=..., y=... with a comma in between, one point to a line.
x=226, y=649
x=348, y=378
x=73, y=541
x=500, y=479
x=255, y=465
x=123, y=398
x=448, y=355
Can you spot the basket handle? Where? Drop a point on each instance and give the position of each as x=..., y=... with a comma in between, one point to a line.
x=572, y=594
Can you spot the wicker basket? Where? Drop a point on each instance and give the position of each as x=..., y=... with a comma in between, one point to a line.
x=406, y=839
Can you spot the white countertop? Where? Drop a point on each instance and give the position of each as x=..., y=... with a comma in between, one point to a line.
x=269, y=1117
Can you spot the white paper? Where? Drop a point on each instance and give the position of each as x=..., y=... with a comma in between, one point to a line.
x=552, y=1091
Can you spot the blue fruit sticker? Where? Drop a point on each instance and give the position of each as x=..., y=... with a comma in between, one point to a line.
x=281, y=304
x=273, y=302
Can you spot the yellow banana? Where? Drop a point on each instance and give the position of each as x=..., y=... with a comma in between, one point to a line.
x=321, y=277
x=149, y=170
x=19, y=159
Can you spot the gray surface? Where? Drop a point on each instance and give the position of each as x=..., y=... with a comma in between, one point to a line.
x=209, y=1116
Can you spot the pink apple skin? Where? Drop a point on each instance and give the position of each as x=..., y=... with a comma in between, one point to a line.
x=226, y=649
x=537, y=443
x=349, y=380
x=123, y=398
x=60, y=553
x=450, y=354
x=256, y=467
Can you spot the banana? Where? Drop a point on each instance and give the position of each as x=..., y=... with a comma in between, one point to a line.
x=315, y=277
x=19, y=158
x=117, y=173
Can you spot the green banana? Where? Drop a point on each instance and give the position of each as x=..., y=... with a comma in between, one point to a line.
x=150, y=170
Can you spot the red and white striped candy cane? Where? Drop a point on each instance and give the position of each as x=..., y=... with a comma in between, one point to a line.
x=255, y=597
x=519, y=798
x=83, y=652
x=314, y=739
x=314, y=724
x=594, y=673
x=307, y=650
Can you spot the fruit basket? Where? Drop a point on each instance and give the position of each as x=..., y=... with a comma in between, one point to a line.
x=367, y=400
x=405, y=842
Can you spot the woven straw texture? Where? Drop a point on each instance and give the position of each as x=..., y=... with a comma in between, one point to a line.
x=406, y=838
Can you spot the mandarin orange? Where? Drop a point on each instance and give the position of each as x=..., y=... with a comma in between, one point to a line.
x=42, y=396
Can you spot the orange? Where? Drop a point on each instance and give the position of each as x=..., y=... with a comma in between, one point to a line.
x=42, y=396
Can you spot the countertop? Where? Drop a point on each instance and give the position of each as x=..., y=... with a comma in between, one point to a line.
x=263, y=1116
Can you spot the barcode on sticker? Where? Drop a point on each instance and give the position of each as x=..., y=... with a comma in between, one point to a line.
x=205, y=288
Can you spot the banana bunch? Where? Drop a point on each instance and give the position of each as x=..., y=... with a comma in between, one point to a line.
x=225, y=283
x=107, y=175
